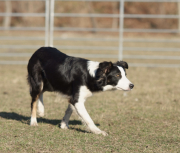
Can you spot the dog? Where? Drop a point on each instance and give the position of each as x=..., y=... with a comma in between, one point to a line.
x=77, y=78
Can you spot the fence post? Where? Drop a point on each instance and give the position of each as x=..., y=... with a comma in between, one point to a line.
x=7, y=18
x=47, y=23
x=121, y=28
x=51, y=23
x=179, y=15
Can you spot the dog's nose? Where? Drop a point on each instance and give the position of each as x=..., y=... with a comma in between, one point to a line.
x=131, y=86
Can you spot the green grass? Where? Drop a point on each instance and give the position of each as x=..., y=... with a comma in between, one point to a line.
x=144, y=120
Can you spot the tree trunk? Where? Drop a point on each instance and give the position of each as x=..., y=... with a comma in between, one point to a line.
x=7, y=19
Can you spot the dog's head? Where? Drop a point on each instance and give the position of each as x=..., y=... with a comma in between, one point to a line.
x=113, y=76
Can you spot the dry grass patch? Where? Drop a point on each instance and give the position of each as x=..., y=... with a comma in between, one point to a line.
x=144, y=120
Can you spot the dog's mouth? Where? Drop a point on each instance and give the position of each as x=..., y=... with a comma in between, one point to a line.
x=123, y=89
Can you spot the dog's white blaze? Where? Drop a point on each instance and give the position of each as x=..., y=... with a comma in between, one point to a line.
x=123, y=83
x=40, y=108
x=81, y=110
x=92, y=67
x=84, y=93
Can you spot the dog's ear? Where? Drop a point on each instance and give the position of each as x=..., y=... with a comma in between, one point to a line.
x=105, y=67
x=103, y=70
x=122, y=64
x=102, y=81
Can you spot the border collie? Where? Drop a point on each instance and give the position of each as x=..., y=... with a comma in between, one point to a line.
x=51, y=70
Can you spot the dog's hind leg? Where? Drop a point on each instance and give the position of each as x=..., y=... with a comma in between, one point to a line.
x=40, y=106
x=36, y=87
x=33, y=121
x=36, y=96
x=65, y=120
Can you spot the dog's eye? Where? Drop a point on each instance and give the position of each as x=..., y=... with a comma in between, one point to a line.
x=117, y=75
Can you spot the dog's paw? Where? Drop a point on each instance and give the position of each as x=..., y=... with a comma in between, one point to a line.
x=64, y=125
x=41, y=114
x=96, y=130
x=33, y=122
x=100, y=132
x=104, y=133
x=40, y=109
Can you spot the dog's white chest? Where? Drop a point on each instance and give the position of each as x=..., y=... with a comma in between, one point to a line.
x=84, y=93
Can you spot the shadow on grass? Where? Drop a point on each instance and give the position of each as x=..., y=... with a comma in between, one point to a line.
x=26, y=120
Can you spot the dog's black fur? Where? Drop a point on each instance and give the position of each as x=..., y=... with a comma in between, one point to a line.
x=51, y=70
x=56, y=71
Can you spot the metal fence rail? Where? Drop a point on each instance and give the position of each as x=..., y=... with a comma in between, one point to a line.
x=122, y=30
x=120, y=0
x=23, y=14
x=45, y=28
x=116, y=15
x=49, y=30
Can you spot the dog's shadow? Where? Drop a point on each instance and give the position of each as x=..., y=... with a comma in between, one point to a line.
x=26, y=120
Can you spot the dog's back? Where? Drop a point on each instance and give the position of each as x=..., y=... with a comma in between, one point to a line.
x=54, y=70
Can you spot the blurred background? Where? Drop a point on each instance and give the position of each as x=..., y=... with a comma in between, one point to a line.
x=141, y=32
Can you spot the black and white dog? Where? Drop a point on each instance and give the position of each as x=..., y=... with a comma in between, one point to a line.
x=51, y=70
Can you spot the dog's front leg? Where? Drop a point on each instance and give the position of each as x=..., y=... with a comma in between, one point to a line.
x=65, y=120
x=40, y=106
x=81, y=110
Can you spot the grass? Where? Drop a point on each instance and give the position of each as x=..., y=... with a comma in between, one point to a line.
x=143, y=120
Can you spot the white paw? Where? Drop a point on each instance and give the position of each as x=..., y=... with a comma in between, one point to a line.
x=100, y=132
x=40, y=109
x=104, y=133
x=96, y=130
x=64, y=125
x=40, y=113
x=33, y=122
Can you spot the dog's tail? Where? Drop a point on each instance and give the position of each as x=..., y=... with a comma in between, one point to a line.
x=36, y=83
x=35, y=79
